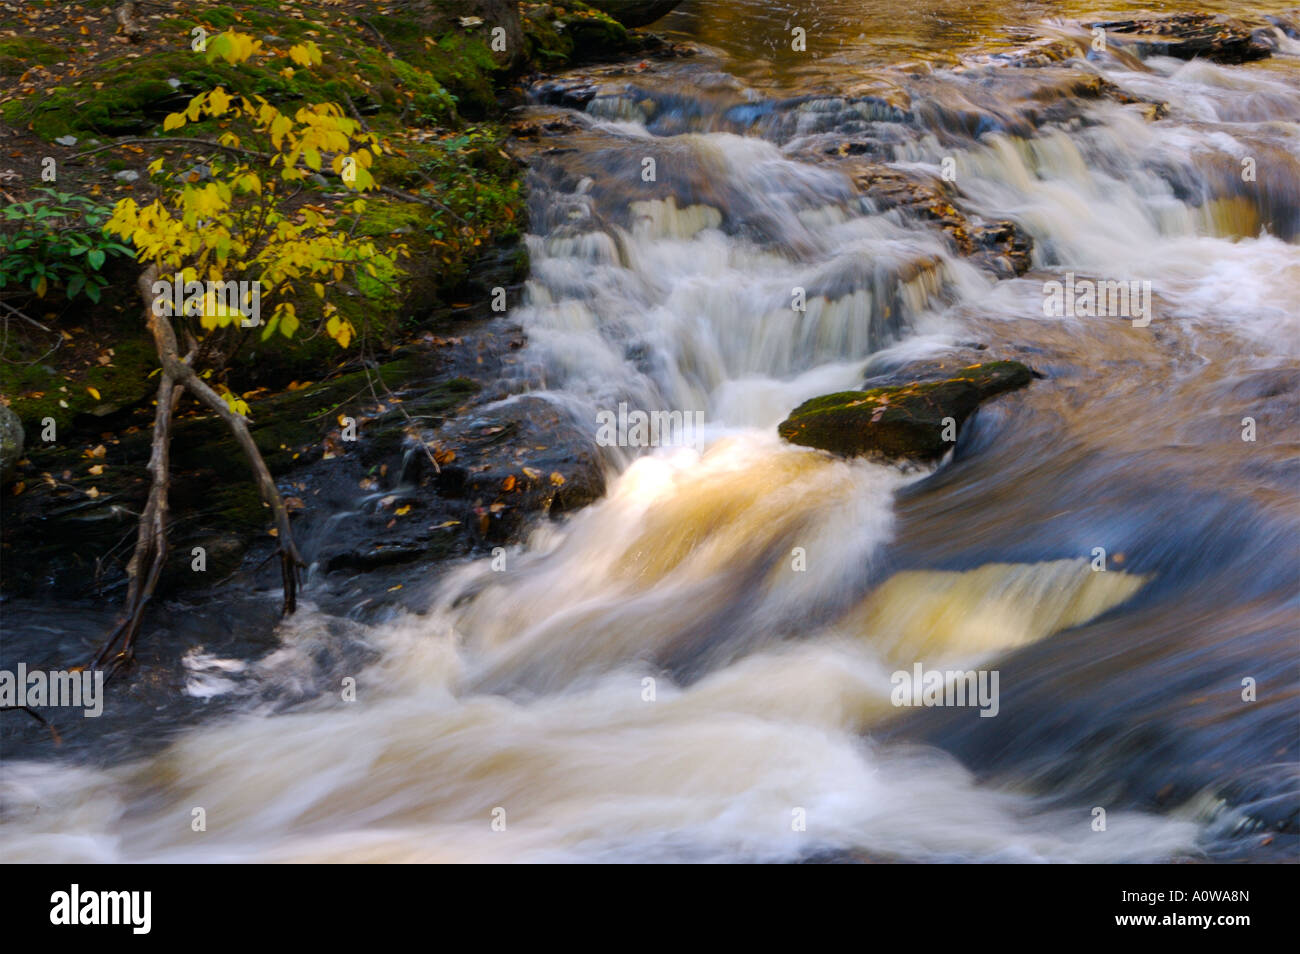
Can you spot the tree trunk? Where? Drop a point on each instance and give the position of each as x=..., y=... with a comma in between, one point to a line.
x=150, y=553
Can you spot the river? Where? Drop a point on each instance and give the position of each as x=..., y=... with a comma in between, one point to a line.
x=698, y=667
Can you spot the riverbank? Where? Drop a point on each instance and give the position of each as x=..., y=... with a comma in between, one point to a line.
x=88, y=100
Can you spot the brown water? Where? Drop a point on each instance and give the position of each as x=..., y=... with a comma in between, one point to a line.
x=849, y=38
x=701, y=661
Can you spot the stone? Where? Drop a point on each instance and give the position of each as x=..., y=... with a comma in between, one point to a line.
x=917, y=421
x=11, y=442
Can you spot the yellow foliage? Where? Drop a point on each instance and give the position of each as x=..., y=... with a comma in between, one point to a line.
x=305, y=54
x=234, y=225
x=233, y=47
x=235, y=402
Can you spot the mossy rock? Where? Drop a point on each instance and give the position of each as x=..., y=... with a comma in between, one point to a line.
x=20, y=53
x=594, y=35
x=916, y=421
x=84, y=396
x=127, y=104
x=634, y=13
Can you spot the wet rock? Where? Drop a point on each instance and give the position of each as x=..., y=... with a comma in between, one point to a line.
x=1003, y=247
x=494, y=472
x=635, y=13
x=517, y=459
x=11, y=442
x=572, y=92
x=916, y=421
x=1191, y=35
x=207, y=556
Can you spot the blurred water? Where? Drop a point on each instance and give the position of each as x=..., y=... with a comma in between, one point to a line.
x=696, y=664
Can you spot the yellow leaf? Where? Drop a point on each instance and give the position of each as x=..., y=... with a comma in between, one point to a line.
x=173, y=121
x=305, y=54
x=93, y=393
x=218, y=101
x=403, y=510
x=286, y=317
x=341, y=330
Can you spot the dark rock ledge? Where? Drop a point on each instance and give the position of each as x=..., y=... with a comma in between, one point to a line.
x=916, y=421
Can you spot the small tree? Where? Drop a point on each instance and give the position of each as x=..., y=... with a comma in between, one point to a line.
x=219, y=244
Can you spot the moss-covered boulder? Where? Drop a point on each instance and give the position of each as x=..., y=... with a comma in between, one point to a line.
x=634, y=13
x=915, y=421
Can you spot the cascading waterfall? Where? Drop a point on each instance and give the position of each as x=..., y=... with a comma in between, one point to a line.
x=657, y=678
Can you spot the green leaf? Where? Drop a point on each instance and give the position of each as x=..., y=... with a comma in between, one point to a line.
x=96, y=258
x=75, y=285
x=92, y=292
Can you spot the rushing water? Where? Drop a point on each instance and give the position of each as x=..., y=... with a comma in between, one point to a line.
x=769, y=591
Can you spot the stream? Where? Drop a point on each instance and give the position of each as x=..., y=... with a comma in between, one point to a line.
x=698, y=667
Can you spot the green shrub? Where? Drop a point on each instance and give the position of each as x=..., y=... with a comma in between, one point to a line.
x=55, y=241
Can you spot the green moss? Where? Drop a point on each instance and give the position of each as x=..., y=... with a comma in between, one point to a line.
x=125, y=105
x=547, y=46
x=389, y=217
x=19, y=53
x=593, y=34
x=431, y=102
x=123, y=383
x=465, y=66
